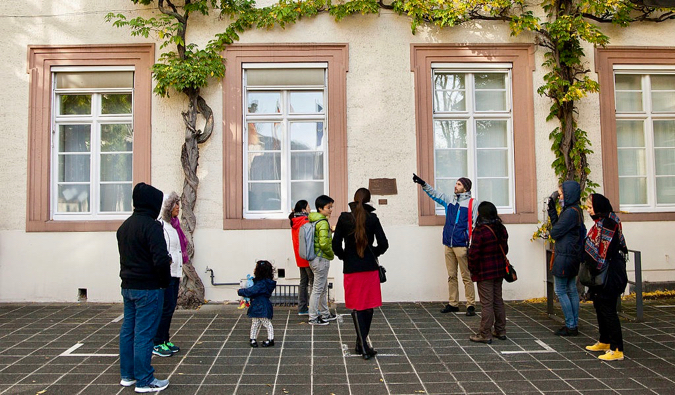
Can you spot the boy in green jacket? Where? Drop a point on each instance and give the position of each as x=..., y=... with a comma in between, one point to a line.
x=323, y=246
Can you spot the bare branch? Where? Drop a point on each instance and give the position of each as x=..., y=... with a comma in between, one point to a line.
x=173, y=12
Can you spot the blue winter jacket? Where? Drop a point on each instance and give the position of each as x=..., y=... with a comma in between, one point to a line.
x=456, y=229
x=565, y=232
x=260, y=294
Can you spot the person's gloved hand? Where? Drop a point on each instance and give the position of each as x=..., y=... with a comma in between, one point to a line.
x=553, y=199
x=418, y=180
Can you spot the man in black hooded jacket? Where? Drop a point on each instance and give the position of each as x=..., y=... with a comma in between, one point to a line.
x=144, y=270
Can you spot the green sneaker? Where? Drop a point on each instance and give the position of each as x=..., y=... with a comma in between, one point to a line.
x=174, y=348
x=162, y=350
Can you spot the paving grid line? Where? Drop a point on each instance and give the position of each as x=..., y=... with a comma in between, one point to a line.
x=281, y=353
x=27, y=325
x=344, y=357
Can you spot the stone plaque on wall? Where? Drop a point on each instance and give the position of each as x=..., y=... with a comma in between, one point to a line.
x=382, y=186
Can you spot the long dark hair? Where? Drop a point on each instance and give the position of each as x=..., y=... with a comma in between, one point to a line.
x=263, y=269
x=487, y=214
x=299, y=206
x=361, y=197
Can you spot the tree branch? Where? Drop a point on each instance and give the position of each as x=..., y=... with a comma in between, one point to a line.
x=173, y=12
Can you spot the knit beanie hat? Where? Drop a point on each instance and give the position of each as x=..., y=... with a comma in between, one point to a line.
x=466, y=182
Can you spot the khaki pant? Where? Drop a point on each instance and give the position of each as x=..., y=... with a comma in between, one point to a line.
x=454, y=257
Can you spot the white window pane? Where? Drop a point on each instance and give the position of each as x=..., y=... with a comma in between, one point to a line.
x=450, y=134
x=495, y=190
x=490, y=81
x=632, y=162
x=116, y=167
x=662, y=82
x=116, y=137
x=307, y=190
x=630, y=133
x=664, y=133
x=287, y=77
x=116, y=103
x=665, y=161
x=73, y=168
x=264, y=102
x=449, y=81
x=451, y=163
x=265, y=166
x=307, y=166
x=73, y=199
x=628, y=82
x=447, y=101
x=492, y=163
x=74, y=104
x=447, y=186
x=306, y=102
x=663, y=101
x=307, y=135
x=633, y=190
x=665, y=190
x=264, y=196
x=74, y=138
x=115, y=197
x=628, y=101
x=264, y=136
x=491, y=133
x=99, y=80
x=490, y=100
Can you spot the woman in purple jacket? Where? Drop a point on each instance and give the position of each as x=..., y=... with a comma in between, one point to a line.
x=487, y=264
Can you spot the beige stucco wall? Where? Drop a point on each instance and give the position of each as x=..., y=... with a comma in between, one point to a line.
x=381, y=143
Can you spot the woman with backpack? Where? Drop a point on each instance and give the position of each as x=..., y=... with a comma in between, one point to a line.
x=605, y=249
x=299, y=217
x=358, y=231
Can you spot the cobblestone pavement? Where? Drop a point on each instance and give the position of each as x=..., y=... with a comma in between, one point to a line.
x=72, y=349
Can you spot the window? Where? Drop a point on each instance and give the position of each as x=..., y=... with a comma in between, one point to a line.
x=92, y=143
x=467, y=125
x=89, y=134
x=472, y=131
x=285, y=142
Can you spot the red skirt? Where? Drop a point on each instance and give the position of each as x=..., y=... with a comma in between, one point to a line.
x=362, y=290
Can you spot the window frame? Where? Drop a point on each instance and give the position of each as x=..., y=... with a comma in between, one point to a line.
x=606, y=61
x=521, y=58
x=41, y=60
x=236, y=55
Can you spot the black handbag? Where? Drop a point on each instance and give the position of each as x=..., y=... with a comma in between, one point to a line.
x=383, y=273
x=511, y=274
x=592, y=277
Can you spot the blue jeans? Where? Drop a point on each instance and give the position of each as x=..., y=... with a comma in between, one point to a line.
x=142, y=311
x=170, y=299
x=566, y=290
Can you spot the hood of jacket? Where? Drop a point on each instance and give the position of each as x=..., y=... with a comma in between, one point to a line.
x=572, y=192
x=313, y=217
x=147, y=200
x=298, y=221
x=460, y=197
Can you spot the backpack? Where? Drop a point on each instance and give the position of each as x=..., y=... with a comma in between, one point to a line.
x=582, y=234
x=306, y=240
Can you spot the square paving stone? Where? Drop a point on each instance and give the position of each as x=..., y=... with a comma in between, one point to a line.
x=479, y=387
x=443, y=388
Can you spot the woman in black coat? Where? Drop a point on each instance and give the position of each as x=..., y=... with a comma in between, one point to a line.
x=605, y=248
x=358, y=230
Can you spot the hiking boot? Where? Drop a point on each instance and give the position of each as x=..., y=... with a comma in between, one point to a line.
x=450, y=309
x=565, y=331
x=610, y=355
x=470, y=311
x=162, y=350
x=174, y=348
x=268, y=343
x=154, y=386
x=500, y=337
x=598, y=347
x=330, y=317
x=480, y=339
x=126, y=382
x=318, y=321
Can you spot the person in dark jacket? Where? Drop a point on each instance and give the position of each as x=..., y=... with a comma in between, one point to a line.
x=261, y=311
x=358, y=231
x=605, y=246
x=487, y=264
x=299, y=217
x=145, y=271
x=565, y=230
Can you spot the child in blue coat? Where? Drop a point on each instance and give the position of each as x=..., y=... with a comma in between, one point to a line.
x=260, y=310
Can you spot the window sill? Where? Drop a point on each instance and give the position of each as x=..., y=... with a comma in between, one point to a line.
x=73, y=226
x=522, y=218
x=651, y=216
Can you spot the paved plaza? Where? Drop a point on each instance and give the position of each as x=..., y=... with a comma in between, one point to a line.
x=72, y=349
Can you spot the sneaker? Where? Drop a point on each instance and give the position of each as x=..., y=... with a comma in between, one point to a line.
x=331, y=317
x=162, y=350
x=500, y=337
x=154, y=386
x=480, y=339
x=318, y=321
x=125, y=382
x=450, y=309
x=268, y=343
x=610, y=355
x=565, y=331
x=174, y=348
x=470, y=311
x=303, y=312
x=253, y=343
x=598, y=347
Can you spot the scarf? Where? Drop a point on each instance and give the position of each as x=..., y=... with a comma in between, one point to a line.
x=599, y=238
x=181, y=236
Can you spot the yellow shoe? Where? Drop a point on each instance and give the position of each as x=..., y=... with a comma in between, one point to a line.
x=598, y=347
x=610, y=355
x=242, y=304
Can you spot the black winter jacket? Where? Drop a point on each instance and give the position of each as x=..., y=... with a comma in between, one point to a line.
x=259, y=293
x=344, y=230
x=144, y=260
x=565, y=232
